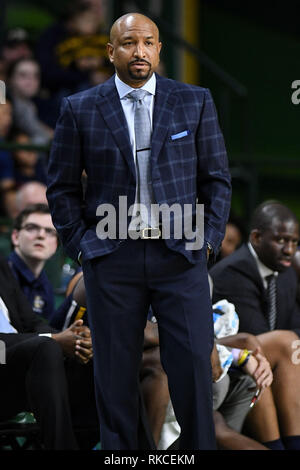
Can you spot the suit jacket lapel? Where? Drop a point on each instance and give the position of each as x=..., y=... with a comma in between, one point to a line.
x=163, y=108
x=108, y=104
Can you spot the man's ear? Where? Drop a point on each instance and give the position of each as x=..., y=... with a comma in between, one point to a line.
x=15, y=237
x=255, y=237
x=110, y=52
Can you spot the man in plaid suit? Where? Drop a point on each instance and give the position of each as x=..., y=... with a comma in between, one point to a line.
x=124, y=275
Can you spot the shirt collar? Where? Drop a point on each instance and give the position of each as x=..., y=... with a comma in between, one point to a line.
x=23, y=269
x=263, y=270
x=124, y=89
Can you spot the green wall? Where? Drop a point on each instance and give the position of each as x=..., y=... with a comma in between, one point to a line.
x=266, y=62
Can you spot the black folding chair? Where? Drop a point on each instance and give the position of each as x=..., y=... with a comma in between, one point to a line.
x=20, y=433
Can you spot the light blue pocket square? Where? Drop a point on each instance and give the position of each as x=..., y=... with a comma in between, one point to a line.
x=180, y=135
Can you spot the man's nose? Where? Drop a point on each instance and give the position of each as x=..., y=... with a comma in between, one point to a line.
x=139, y=50
x=42, y=232
x=289, y=248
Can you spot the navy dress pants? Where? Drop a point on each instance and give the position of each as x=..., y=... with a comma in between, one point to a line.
x=120, y=286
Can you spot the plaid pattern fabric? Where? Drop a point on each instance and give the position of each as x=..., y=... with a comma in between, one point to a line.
x=188, y=162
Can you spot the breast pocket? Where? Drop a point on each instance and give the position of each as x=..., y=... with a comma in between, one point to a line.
x=181, y=147
x=180, y=135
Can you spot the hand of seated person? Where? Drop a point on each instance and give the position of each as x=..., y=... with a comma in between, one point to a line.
x=76, y=341
x=258, y=367
x=151, y=337
x=84, y=347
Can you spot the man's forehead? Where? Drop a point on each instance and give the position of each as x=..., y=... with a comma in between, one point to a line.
x=288, y=226
x=134, y=30
x=134, y=24
x=36, y=217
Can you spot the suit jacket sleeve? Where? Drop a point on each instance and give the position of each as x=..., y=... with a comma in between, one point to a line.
x=246, y=297
x=287, y=298
x=214, y=181
x=64, y=193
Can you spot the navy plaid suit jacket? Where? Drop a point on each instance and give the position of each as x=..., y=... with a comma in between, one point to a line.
x=91, y=134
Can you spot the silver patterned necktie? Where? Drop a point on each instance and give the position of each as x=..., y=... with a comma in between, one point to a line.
x=142, y=130
x=272, y=308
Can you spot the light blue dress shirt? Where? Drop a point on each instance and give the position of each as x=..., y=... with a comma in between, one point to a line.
x=128, y=104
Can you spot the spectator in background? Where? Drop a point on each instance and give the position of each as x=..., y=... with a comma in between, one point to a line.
x=24, y=84
x=272, y=244
x=30, y=193
x=260, y=281
x=76, y=54
x=35, y=240
x=7, y=182
x=234, y=236
x=5, y=156
x=28, y=165
x=16, y=46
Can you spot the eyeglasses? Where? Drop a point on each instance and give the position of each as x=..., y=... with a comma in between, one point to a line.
x=35, y=229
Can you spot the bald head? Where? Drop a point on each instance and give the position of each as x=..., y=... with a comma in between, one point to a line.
x=269, y=211
x=126, y=22
x=134, y=48
x=32, y=192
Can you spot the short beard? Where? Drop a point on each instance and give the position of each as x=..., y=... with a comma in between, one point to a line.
x=138, y=77
x=143, y=75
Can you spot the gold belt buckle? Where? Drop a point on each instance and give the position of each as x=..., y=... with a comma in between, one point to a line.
x=155, y=233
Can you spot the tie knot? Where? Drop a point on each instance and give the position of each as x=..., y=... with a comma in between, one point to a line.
x=270, y=279
x=137, y=95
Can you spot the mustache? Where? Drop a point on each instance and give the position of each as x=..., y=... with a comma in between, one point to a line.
x=139, y=60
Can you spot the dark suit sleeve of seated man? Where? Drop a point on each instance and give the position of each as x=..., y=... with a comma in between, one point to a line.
x=21, y=315
x=237, y=280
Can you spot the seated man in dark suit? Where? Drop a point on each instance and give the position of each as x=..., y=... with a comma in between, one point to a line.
x=260, y=281
x=40, y=373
